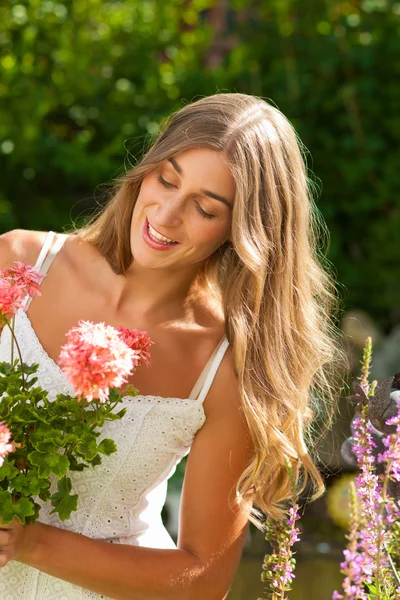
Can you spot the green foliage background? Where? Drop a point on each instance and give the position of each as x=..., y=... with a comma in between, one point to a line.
x=84, y=84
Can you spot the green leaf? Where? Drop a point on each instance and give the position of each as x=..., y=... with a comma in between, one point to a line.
x=6, y=508
x=51, y=435
x=71, y=438
x=64, y=502
x=42, y=431
x=116, y=416
x=8, y=471
x=9, y=509
x=107, y=447
x=45, y=447
x=23, y=508
x=38, y=394
x=74, y=465
x=49, y=463
x=80, y=430
x=87, y=447
x=13, y=391
x=22, y=413
x=31, y=382
x=95, y=461
x=114, y=396
x=5, y=368
x=35, y=516
x=45, y=494
x=29, y=484
x=27, y=369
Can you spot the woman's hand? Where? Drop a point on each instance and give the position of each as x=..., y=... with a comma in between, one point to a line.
x=17, y=541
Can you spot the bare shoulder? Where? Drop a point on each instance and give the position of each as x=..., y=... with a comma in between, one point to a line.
x=226, y=424
x=20, y=244
x=224, y=391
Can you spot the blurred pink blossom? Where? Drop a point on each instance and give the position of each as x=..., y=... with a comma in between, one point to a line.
x=16, y=282
x=11, y=297
x=5, y=445
x=95, y=358
x=25, y=275
x=139, y=341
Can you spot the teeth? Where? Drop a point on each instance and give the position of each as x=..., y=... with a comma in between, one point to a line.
x=157, y=236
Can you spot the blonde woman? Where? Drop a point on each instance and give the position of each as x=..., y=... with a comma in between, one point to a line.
x=209, y=244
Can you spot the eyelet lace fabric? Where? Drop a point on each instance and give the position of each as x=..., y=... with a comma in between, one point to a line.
x=120, y=501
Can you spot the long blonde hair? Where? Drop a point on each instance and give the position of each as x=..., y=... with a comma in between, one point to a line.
x=272, y=280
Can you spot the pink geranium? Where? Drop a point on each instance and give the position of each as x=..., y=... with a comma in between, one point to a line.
x=25, y=275
x=5, y=445
x=95, y=358
x=16, y=282
x=139, y=341
x=11, y=297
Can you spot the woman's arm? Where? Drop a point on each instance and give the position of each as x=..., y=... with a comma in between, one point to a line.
x=117, y=571
x=211, y=533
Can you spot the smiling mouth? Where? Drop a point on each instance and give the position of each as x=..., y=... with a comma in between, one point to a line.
x=157, y=237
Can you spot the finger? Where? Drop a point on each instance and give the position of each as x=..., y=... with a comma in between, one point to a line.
x=3, y=559
x=5, y=538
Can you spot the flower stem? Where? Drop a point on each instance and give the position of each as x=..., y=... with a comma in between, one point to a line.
x=12, y=344
x=14, y=340
x=379, y=539
x=366, y=364
x=81, y=410
x=392, y=565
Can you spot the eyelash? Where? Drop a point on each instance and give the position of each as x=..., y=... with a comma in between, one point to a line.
x=201, y=211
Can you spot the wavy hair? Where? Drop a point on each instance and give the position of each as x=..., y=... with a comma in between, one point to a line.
x=272, y=281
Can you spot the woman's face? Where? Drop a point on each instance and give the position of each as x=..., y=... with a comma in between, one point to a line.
x=188, y=199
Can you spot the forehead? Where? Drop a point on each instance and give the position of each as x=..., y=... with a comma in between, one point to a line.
x=206, y=167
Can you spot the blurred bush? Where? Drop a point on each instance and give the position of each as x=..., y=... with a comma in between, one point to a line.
x=80, y=83
x=84, y=84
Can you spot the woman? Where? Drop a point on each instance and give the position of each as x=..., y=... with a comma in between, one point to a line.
x=209, y=244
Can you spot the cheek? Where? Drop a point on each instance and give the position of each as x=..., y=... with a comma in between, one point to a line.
x=210, y=235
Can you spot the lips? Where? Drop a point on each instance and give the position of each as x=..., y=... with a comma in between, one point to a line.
x=154, y=244
x=153, y=231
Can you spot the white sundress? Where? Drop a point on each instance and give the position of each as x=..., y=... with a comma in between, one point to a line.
x=120, y=501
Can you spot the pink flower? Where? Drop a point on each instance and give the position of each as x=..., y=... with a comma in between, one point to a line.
x=279, y=566
x=11, y=297
x=94, y=359
x=139, y=341
x=391, y=456
x=25, y=275
x=16, y=282
x=5, y=446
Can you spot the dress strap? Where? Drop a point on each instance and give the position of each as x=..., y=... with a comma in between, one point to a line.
x=206, y=378
x=45, y=248
x=58, y=244
x=46, y=256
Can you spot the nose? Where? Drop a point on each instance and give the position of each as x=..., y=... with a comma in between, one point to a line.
x=169, y=211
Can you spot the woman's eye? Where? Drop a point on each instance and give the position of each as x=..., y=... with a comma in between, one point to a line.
x=203, y=212
x=164, y=183
x=198, y=207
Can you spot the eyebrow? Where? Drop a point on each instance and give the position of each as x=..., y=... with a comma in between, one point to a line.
x=178, y=169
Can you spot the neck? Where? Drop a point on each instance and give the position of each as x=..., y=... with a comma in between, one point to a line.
x=157, y=294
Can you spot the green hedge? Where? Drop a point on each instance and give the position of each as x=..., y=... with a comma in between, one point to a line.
x=84, y=84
